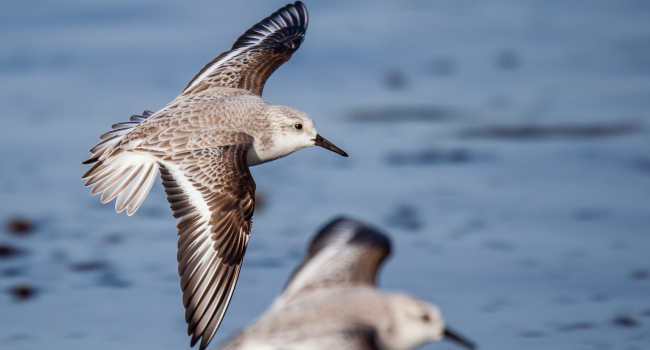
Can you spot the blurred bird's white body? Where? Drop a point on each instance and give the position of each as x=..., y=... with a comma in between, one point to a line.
x=340, y=318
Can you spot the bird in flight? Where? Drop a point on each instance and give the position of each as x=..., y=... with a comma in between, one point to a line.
x=332, y=301
x=202, y=143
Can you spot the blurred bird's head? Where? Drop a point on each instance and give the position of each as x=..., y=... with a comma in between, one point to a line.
x=416, y=322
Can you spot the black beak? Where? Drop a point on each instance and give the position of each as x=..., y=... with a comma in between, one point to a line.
x=320, y=141
x=457, y=338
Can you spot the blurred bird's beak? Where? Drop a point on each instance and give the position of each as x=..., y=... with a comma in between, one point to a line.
x=320, y=141
x=457, y=338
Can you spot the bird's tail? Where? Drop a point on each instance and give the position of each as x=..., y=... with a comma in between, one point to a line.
x=118, y=173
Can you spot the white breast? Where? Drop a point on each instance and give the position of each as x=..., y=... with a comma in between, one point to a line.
x=281, y=147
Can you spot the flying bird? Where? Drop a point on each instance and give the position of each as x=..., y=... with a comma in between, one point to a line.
x=332, y=302
x=203, y=143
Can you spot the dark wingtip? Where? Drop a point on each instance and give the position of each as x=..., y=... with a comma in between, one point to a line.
x=287, y=25
x=363, y=234
x=90, y=160
x=368, y=235
x=91, y=170
x=194, y=340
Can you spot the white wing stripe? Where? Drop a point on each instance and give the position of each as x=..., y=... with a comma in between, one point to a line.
x=194, y=197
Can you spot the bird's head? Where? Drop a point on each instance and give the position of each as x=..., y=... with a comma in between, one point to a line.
x=296, y=130
x=416, y=323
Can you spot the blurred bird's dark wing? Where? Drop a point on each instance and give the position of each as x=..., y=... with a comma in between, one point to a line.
x=257, y=53
x=212, y=192
x=360, y=338
x=344, y=252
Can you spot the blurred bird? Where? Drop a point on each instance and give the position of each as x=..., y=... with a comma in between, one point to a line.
x=203, y=143
x=332, y=301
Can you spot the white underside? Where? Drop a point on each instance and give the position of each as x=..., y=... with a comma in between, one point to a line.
x=283, y=146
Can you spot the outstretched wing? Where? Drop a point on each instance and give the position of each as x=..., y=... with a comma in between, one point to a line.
x=344, y=252
x=257, y=53
x=212, y=192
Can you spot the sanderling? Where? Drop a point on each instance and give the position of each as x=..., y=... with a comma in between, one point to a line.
x=203, y=143
x=332, y=301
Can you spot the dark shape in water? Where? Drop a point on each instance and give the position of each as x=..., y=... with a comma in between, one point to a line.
x=112, y=279
x=424, y=157
x=395, y=79
x=429, y=157
x=20, y=226
x=114, y=238
x=532, y=334
x=495, y=305
x=7, y=251
x=646, y=313
x=525, y=132
x=499, y=245
x=406, y=217
x=12, y=272
x=22, y=292
x=625, y=321
x=600, y=298
x=443, y=66
x=640, y=274
x=87, y=266
x=589, y=214
x=507, y=59
x=643, y=164
x=460, y=156
x=577, y=326
x=401, y=114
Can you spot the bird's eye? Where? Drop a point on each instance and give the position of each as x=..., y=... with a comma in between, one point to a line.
x=426, y=318
x=298, y=126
